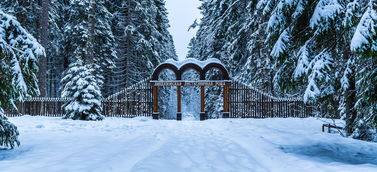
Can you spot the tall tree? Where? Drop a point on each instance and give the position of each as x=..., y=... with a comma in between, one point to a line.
x=57, y=58
x=141, y=29
x=364, y=42
x=44, y=40
x=302, y=47
x=19, y=53
x=104, y=44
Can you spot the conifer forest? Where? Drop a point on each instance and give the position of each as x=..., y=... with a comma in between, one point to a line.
x=88, y=76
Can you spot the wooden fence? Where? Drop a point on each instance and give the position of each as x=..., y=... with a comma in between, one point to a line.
x=248, y=102
x=43, y=106
x=133, y=101
x=136, y=100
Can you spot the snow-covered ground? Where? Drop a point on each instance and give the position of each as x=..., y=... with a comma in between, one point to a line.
x=141, y=144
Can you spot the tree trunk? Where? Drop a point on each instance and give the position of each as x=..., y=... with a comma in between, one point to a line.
x=350, y=104
x=43, y=36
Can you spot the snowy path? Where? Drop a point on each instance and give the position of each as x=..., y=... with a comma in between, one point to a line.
x=53, y=144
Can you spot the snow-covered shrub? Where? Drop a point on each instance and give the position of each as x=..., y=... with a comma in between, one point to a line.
x=8, y=132
x=84, y=94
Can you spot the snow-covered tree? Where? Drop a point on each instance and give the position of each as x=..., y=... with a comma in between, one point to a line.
x=304, y=45
x=90, y=38
x=104, y=43
x=26, y=12
x=80, y=87
x=364, y=42
x=91, y=54
x=8, y=132
x=141, y=30
x=33, y=15
x=57, y=55
x=19, y=53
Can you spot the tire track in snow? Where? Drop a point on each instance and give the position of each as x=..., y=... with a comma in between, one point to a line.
x=194, y=150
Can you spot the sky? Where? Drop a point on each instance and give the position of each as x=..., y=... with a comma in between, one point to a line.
x=182, y=13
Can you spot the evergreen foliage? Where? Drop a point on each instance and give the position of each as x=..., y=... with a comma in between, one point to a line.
x=90, y=37
x=19, y=53
x=299, y=48
x=129, y=37
x=364, y=42
x=141, y=28
x=80, y=87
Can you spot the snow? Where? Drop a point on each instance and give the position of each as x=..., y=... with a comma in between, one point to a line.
x=364, y=32
x=299, y=9
x=142, y=144
x=280, y=45
x=319, y=67
x=201, y=64
x=326, y=10
x=19, y=80
x=303, y=62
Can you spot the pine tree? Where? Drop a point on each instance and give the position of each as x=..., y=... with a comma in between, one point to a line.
x=104, y=43
x=56, y=52
x=33, y=15
x=364, y=42
x=26, y=12
x=90, y=37
x=224, y=32
x=80, y=87
x=143, y=40
x=19, y=53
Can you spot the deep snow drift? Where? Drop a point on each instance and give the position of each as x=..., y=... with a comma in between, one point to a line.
x=141, y=144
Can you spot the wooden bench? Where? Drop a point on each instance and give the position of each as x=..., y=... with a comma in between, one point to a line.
x=329, y=126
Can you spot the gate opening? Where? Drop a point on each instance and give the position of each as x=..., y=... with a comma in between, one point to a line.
x=202, y=67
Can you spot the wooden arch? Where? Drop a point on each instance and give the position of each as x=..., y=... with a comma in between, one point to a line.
x=217, y=66
x=202, y=67
x=179, y=70
x=162, y=67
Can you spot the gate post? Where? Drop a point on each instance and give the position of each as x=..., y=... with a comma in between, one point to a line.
x=226, y=101
x=155, y=114
x=203, y=115
x=179, y=113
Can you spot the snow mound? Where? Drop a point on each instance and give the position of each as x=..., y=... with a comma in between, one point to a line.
x=202, y=64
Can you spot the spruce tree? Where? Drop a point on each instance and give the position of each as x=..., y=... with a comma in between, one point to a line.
x=141, y=29
x=104, y=45
x=83, y=94
x=56, y=52
x=26, y=12
x=90, y=38
x=364, y=43
x=19, y=53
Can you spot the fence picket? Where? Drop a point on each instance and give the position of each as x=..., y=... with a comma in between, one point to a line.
x=249, y=102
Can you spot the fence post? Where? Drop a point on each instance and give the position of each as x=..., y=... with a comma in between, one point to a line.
x=202, y=112
x=226, y=101
x=179, y=113
x=155, y=114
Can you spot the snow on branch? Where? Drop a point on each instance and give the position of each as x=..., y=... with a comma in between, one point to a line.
x=365, y=34
x=325, y=11
x=281, y=44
